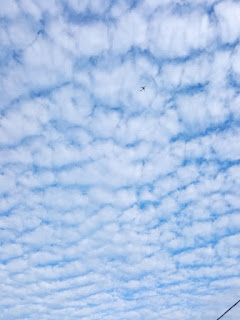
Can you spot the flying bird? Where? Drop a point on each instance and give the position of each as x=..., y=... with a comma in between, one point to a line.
x=142, y=88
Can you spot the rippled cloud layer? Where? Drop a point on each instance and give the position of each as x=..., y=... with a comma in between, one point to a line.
x=117, y=203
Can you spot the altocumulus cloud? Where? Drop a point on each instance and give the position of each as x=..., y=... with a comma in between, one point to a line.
x=115, y=203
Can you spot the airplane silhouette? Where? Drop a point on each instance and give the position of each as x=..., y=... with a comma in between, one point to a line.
x=142, y=88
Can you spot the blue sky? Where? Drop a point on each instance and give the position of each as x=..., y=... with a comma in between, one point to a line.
x=117, y=204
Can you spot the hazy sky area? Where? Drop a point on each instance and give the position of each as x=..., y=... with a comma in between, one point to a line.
x=116, y=203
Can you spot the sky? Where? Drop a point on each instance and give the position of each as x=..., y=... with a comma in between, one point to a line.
x=116, y=203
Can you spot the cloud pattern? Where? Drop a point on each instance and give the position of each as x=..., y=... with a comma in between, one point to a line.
x=115, y=203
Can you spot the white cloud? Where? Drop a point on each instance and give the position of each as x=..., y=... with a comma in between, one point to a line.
x=115, y=203
x=9, y=251
x=91, y=39
x=189, y=73
x=8, y=8
x=43, y=58
x=21, y=35
x=235, y=62
x=131, y=30
x=7, y=181
x=79, y=6
x=200, y=256
x=171, y=36
x=31, y=8
x=227, y=13
x=199, y=111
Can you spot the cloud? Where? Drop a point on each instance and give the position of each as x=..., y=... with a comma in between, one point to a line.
x=227, y=14
x=9, y=9
x=130, y=31
x=170, y=35
x=116, y=203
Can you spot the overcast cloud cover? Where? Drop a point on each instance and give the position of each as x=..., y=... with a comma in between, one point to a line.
x=117, y=204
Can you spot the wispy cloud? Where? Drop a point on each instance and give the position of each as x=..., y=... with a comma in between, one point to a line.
x=116, y=203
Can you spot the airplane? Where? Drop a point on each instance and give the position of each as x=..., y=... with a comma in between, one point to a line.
x=142, y=88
